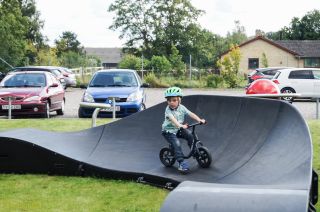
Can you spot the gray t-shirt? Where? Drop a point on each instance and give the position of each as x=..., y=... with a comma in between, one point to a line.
x=179, y=113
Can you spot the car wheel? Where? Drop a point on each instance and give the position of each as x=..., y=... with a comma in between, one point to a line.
x=287, y=91
x=47, y=111
x=61, y=111
x=80, y=113
x=142, y=107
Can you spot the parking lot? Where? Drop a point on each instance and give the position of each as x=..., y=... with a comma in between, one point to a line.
x=155, y=96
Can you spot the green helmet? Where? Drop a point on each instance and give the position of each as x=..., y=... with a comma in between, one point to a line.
x=173, y=91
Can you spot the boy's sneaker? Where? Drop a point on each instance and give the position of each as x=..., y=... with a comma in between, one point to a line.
x=183, y=166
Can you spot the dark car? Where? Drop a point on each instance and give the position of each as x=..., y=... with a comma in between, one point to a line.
x=123, y=84
x=2, y=75
x=54, y=70
x=263, y=73
x=31, y=93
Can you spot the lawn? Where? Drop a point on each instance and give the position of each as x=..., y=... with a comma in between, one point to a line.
x=53, y=193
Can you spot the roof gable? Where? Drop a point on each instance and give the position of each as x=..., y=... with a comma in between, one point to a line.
x=106, y=55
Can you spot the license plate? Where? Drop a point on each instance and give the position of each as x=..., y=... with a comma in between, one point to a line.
x=111, y=109
x=13, y=107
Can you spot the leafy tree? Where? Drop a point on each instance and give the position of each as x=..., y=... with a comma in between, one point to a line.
x=160, y=64
x=12, y=34
x=68, y=42
x=135, y=20
x=129, y=61
x=176, y=61
x=264, y=60
x=34, y=35
x=306, y=28
x=72, y=59
x=230, y=67
x=35, y=39
x=47, y=57
x=237, y=36
x=153, y=25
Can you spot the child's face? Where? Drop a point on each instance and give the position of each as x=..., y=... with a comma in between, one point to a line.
x=173, y=102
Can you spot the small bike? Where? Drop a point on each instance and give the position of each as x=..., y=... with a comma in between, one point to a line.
x=197, y=151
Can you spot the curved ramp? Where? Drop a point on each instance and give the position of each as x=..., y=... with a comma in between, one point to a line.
x=262, y=155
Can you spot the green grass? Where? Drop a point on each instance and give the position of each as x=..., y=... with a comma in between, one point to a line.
x=62, y=125
x=51, y=193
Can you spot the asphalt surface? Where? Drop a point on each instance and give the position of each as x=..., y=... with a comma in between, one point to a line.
x=155, y=96
x=251, y=166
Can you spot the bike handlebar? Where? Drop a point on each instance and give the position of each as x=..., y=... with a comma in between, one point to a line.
x=195, y=124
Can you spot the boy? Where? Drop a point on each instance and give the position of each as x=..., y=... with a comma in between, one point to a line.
x=173, y=127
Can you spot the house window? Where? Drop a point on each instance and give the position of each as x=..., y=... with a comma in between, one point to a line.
x=312, y=62
x=253, y=63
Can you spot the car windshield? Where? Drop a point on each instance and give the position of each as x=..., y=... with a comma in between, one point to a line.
x=24, y=80
x=114, y=79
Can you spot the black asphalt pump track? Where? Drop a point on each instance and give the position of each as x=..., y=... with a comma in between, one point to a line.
x=261, y=149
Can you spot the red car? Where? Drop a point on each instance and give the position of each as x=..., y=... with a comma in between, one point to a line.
x=31, y=93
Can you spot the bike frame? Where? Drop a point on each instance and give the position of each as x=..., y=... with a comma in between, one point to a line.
x=195, y=142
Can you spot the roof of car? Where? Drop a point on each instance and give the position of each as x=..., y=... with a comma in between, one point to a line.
x=297, y=69
x=116, y=70
x=36, y=67
x=30, y=72
x=271, y=68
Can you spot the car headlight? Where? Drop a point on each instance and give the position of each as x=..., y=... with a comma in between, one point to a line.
x=136, y=96
x=32, y=98
x=88, y=97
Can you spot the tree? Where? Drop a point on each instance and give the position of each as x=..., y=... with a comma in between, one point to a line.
x=264, y=60
x=230, y=67
x=237, y=36
x=160, y=64
x=129, y=61
x=153, y=25
x=34, y=35
x=72, y=59
x=306, y=28
x=47, y=57
x=68, y=42
x=176, y=61
x=12, y=34
x=135, y=20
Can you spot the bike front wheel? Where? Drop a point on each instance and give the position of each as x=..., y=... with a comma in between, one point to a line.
x=166, y=156
x=204, y=157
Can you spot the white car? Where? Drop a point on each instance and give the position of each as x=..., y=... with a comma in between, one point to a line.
x=305, y=81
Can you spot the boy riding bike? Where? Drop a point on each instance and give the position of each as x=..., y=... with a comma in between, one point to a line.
x=173, y=126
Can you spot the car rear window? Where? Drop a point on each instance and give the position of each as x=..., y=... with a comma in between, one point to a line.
x=301, y=74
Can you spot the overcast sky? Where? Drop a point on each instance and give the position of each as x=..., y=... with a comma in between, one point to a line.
x=90, y=20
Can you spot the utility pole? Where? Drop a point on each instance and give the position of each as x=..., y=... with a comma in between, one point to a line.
x=190, y=68
x=142, y=67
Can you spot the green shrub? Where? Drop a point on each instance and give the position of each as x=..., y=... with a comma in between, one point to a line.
x=214, y=81
x=154, y=81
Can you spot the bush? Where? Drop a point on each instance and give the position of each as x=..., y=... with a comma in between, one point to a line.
x=214, y=81
x=154, y=82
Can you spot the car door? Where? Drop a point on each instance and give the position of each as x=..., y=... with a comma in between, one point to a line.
x=302, y=81
x=56, y=93
x=316, y=82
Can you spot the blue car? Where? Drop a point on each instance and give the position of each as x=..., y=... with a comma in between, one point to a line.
x=124, y=84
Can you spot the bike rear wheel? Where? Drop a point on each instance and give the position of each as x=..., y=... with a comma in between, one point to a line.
x=204, y=157
x=166, y=156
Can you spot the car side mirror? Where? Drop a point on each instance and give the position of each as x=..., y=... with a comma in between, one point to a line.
x=83, y=86
x=54, y=85
x=145, y=85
